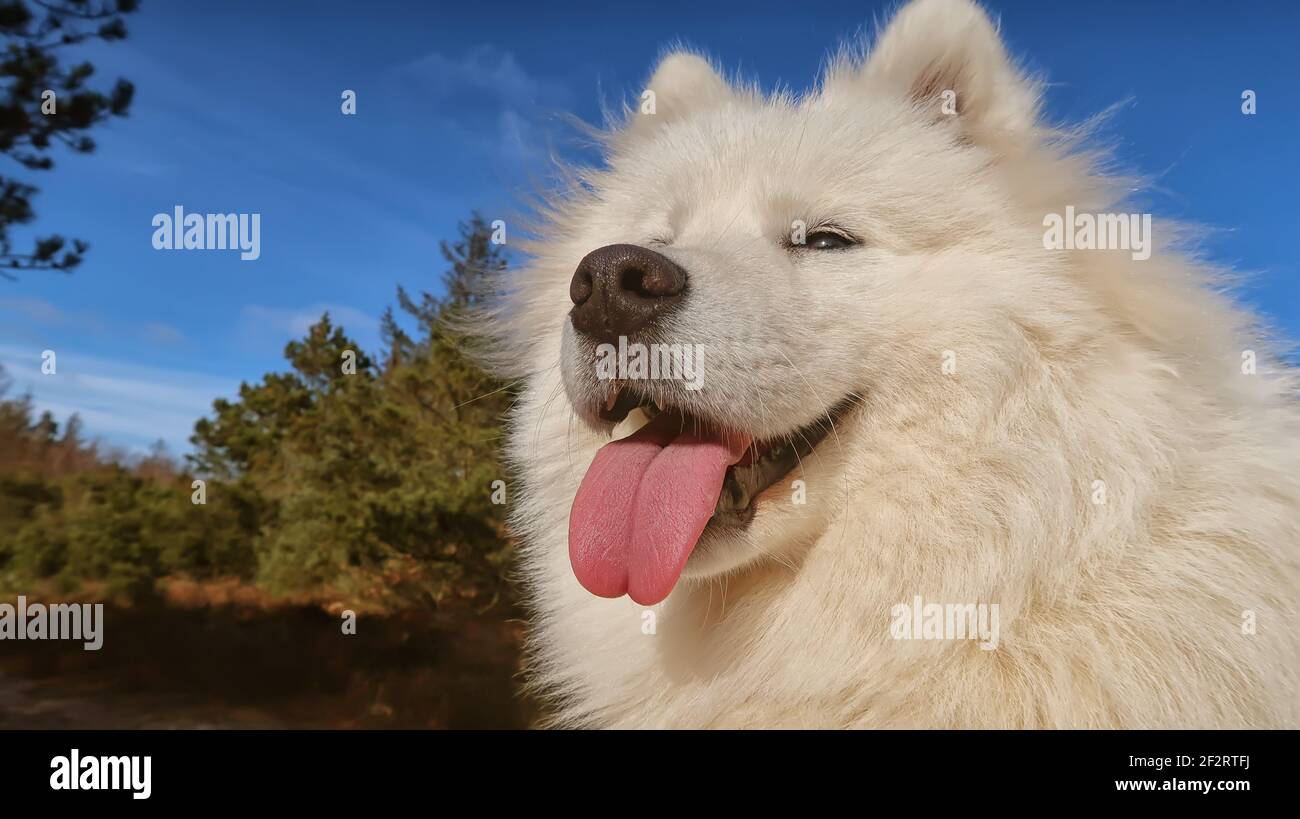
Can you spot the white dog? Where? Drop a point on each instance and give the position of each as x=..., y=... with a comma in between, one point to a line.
x=934, y=433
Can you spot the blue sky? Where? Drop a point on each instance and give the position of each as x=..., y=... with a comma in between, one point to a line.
x=237, y=110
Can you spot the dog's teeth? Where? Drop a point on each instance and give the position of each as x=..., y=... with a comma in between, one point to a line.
x=611, y=399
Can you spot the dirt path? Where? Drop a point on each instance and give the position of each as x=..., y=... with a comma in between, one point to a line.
x=66, y=704
x=288, y=668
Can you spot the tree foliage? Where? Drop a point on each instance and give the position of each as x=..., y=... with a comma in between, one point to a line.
x=44, y=102
x=71, y=518
x=341, y=478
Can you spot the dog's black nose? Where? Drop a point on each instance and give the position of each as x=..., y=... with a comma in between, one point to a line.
x=619, y=289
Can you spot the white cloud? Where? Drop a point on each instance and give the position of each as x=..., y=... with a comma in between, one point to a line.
x=278, y=325
x=36, y=310
x=125, y=404
x=486, y=99
x=482, y=75
x=164, y=335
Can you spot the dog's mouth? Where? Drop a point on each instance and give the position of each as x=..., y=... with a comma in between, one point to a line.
x=648, y=497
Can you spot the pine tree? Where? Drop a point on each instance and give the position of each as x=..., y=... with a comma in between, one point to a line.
x=375, y=482
x=32, y=121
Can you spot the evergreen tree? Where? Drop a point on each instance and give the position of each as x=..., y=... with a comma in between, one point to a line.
x=375, y=481
x=43, y=102
x=338, y=479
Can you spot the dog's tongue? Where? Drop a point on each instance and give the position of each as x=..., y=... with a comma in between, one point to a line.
x=642, y=506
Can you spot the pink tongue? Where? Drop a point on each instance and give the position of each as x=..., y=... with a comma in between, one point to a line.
x=642, y=506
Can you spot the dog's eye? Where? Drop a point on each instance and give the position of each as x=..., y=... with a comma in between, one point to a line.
x=827, y=240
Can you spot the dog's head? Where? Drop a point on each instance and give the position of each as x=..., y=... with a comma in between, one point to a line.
x=757, y=279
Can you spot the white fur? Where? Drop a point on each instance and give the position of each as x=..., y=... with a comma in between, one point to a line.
x=976, y=486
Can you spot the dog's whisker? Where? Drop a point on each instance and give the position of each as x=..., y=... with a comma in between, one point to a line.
x=545, y=410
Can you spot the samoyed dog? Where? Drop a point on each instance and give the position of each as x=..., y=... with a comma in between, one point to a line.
x=880, y=407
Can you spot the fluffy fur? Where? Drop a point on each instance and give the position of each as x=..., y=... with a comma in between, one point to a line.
x=977, y=485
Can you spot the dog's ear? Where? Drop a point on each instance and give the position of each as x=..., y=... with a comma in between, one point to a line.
x=681, y=84
x=947, y=58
